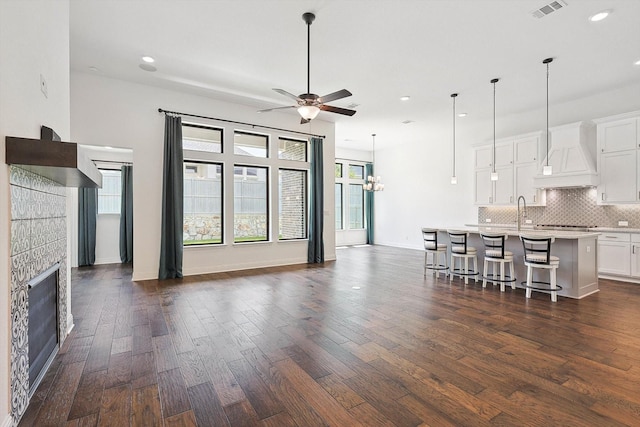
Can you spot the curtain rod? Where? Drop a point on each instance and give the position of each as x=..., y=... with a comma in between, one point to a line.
x=160, y=110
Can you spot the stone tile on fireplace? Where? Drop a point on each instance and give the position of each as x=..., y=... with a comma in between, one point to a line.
x=20, y=236
x=20, y=203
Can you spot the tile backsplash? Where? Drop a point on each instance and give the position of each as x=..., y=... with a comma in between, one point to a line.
x=575, y=206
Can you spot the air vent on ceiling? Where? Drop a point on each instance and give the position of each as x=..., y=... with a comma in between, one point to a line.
x=353, y=105
x=406, y=122
x=549, y=8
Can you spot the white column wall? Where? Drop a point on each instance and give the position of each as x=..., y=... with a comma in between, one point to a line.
x=111, y=112
x=34, y=40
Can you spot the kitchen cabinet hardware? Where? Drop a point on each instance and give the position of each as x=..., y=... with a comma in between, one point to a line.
x=633, y=249
x=603, y=197
x=511, y=199
x=534, y=198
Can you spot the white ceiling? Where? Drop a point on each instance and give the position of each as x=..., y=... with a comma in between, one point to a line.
x=238, y=50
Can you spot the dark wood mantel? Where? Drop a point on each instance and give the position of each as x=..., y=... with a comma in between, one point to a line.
x=59, y=161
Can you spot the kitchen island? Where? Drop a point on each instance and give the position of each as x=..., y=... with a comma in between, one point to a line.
x=577, y=250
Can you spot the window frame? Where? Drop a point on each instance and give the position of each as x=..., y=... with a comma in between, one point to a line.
x=306, y=203
x=346, y=182
x=222, y=204
x=267, y=184
x=119, y=193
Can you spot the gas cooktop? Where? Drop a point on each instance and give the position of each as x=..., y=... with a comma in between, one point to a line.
x=567, y=227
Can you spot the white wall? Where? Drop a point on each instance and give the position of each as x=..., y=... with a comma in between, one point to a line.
x=34, y=40
x=417, y=172
x=116, y=113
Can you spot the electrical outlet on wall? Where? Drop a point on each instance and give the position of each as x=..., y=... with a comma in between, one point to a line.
x=487, y=220
x=623, y=223
x=43, y=86
x=528, y=221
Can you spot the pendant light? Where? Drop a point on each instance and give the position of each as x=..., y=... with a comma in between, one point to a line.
x=373, y=183
x=454, y=178
x=494, y=174
x=547, y=169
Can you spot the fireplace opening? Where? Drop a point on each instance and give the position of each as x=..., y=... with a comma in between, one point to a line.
x=43, y=324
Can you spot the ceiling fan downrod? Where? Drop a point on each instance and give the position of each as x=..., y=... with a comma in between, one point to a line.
x=308, y=18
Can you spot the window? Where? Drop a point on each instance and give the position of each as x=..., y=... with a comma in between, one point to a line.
x=293, y=204
x=109, y=195
x=356, y=172
x=202, y=203
x=251, y=217
x=250, y=144
x=356, y=206
x=349, y=195
x=292, y=149
x=338, y=191
x=201, y=138
x=238, y=209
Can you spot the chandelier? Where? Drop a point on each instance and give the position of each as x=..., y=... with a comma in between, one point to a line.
x=373, y=183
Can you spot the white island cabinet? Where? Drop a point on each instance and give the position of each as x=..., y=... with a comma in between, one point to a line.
x=613, y=253
x=577, y=273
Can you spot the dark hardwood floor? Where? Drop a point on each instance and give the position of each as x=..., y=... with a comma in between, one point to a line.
x=298, y=346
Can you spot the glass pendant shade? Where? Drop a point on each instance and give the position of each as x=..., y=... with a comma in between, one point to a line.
x=454, y=180
x=547, y=170
x=494, y=176
x=308, y=112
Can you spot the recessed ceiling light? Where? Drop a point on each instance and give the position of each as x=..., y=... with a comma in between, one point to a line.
x=637, y=62
x=148, y=59
x=599, y=16
x=405, y=98
x=462, y=115
x=148, y=67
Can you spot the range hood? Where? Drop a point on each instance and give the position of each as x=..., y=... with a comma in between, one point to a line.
x=61, y=162
x=572, y=150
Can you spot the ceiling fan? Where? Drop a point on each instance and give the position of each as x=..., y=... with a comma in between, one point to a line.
x=309, y=104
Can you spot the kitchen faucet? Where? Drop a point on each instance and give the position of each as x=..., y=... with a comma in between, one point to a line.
x=524, y=213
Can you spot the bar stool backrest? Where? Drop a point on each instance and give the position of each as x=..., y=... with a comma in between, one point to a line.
x=537, y=250
x=430, y=237
x=494, y=243
x=458, y=241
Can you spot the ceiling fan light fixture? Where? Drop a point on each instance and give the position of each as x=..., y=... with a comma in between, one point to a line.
x=308, y=112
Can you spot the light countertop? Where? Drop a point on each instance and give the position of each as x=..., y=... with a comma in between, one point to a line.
x=510, y=230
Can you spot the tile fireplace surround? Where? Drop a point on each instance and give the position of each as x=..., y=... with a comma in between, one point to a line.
x=38, y=241
x=575, y=206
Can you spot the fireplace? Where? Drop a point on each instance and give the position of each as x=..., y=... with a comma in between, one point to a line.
x=43, y=323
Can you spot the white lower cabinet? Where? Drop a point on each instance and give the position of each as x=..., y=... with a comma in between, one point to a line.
x=635, y=255
x=613, y=253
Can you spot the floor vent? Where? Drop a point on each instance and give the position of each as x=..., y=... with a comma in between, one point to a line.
x=549, y=8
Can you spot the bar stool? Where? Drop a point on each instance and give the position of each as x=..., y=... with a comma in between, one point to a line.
x=537, y=254
x=496, y=254
x=462, y=252
x=435, y=249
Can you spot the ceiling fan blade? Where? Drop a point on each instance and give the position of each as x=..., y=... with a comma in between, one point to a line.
x=288, y=94
x=304, y=121
x=266, y=110
x=338, y=110
x=335, y=95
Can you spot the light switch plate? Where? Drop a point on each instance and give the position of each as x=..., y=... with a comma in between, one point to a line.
x=623, y=223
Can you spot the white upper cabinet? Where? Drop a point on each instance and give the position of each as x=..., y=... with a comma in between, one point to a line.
x=484, y=157
x=504, y=155
x=619, y=159
x=517, y=160
x=526, y=150
x=618, y=135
